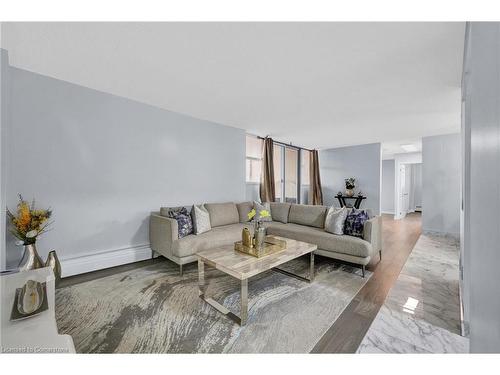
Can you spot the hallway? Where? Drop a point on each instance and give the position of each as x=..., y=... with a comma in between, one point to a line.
x=422, y=311
x=398, y=239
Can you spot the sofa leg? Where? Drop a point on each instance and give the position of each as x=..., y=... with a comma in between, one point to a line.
x=180, y=269
x=363, y=270
x=380, y=254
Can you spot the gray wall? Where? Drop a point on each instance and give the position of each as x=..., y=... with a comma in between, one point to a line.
x=4, y=117
x=441, y=184
x=388, y=183
x=361, y=162
x=102, y=163
x=482, y=186
x=416, y=186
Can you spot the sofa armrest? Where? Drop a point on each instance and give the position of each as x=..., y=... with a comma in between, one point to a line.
x=372, y=232
x=163, y=231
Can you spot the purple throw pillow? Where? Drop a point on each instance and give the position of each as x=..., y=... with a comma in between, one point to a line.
x=184, y=221
x=355, y=223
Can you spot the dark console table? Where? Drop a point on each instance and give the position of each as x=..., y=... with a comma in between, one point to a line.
x=357, y=203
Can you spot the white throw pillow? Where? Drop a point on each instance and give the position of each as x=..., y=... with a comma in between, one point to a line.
x=201, y=219
x=334, y=221
x=262, y=206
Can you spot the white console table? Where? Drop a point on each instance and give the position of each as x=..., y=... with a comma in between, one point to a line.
x=37, y=334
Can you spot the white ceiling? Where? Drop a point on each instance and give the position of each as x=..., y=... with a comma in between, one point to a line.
x=313, y=84
x=389, y=149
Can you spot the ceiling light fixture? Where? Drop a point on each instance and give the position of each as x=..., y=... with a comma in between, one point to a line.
x=409, y=148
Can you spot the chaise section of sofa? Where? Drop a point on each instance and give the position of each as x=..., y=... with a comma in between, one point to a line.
x=306, y=223
x=299, y=222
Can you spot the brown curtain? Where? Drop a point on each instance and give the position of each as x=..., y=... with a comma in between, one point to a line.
x=267, y=190
x=315, y=193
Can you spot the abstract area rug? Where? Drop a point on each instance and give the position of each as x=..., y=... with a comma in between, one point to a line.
x=152, y=309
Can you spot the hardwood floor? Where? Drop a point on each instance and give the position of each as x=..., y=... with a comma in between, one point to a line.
x=94, y=275
x=398, y=239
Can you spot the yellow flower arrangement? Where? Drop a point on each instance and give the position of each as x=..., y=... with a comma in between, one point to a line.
x=251, y=214
x=262, y=214
x=29, y=222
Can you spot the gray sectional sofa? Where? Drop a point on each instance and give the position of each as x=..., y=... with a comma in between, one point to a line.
x=295, y=221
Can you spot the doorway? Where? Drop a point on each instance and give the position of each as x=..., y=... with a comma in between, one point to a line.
x=410, y=189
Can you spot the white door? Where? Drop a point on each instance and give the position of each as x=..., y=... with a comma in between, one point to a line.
x=407, y=192
x=404, y=191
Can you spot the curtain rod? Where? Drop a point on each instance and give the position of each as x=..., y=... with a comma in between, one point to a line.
x=285, y=144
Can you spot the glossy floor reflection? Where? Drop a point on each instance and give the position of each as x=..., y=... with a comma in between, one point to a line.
x=422, y=312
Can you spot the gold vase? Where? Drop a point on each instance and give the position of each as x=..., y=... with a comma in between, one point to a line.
x=30, y=260
x=246, y=237
x=53, y=262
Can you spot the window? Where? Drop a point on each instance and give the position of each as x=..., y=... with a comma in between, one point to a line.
x=287, y=169
x=304, y=167
x=286, y=160
x=253, y=158
x=278, y=172
x=304, y=176
x=291, y=174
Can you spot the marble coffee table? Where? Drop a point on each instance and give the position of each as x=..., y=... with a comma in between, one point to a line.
x=243, y=267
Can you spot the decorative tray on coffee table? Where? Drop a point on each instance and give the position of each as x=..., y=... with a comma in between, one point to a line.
x=271, y=245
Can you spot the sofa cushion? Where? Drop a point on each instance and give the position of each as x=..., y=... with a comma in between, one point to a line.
x=184, y=221
x=243, y=209
x=165, y=210
x=325, y=241
x=334, y=221
x=259, y=207
x=201, y=219
x=219, y=236
x=368, y=211
x=222, y=213
x=313, y=216
x=280, y=211
x=355, y=222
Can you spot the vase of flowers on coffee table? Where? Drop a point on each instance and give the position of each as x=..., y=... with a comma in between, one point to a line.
x=259, y=229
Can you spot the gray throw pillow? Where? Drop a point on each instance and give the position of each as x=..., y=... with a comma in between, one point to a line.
x=201, y=219
x=335, y=218
x=243, y=209
x=262, y=206
x=280, y=211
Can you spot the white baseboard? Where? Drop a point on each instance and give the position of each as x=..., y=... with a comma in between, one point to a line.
x=107, y=259
x=387, y=212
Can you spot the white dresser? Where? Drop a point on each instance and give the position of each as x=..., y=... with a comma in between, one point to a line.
x=37, y=334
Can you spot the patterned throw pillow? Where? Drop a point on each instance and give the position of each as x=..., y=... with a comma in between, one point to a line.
x=184, y=221
x=355, y=222
x=335, y=219
x=201, y=219
x=262, y=206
